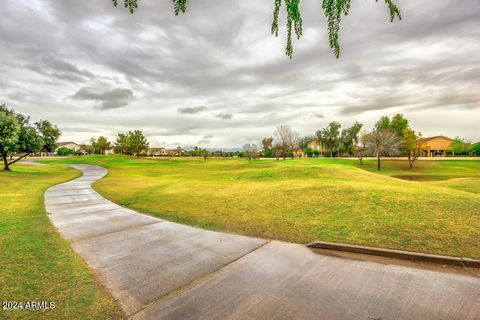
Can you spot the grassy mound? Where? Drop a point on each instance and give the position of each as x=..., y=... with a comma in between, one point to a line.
x=304, y=200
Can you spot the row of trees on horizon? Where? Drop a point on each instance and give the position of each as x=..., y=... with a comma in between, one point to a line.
x=389, y=137
x=386, y=139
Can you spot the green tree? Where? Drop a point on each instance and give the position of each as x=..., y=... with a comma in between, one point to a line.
x=9, y=132
x=334, y=10
x=320, y=140
x=412, y=145
x=331, y=134
x=121, y=144
x=136, y=142
x=205, y=154
x=349, y=138
x=458, y=146
x=383, y=123
x=66, y=151
x=93, y=143
x=267, y=144
x=101, y=145
x=398, y=123
x=304, y=142
x=476, y=149
x=49, y=134
x=278, y=150
x=18, y=137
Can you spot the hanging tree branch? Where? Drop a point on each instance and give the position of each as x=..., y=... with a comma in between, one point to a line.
x=333, y=10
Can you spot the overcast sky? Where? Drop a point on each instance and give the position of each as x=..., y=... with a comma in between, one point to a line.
x=216, y=77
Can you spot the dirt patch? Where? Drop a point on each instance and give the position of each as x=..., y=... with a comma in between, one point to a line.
x=423, y=177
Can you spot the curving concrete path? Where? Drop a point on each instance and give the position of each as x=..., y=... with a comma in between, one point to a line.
x=162, y=270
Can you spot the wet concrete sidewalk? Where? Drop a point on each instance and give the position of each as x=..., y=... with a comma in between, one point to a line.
x=163, y=270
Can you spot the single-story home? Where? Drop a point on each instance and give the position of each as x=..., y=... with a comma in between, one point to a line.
x=312, y=145
x=315, y=146
x=436, y=146
x=162, y=152
x=72, y=146
x=156, y=152
x=69, y=145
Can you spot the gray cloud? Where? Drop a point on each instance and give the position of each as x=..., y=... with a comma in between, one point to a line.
x=426, y=64
x=106, y=98
x=205, y=140
x=191, y=110
x=224, y=116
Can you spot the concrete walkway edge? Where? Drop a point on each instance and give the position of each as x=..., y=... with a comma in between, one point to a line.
x=397, y=254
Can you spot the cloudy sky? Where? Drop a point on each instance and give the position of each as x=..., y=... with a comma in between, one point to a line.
x=216, y=77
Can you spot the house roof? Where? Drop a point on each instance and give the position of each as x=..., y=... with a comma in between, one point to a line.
x=436, y=137
x=61, y=144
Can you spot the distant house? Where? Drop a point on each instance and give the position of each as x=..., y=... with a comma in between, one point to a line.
x=314, y=149
x=313, y=144
x=69, y=145
x=157, y=152
x=163, y=152
x=436, y=146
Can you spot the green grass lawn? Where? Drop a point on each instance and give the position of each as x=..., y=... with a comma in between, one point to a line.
x=35, y=262
x=305, y=200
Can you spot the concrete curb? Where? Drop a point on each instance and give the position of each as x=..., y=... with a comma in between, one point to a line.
x=397, y=254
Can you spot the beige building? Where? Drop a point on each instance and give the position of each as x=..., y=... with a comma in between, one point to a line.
x=162, y=152
x=437, y=146
x=69, y=145
x=313, y=145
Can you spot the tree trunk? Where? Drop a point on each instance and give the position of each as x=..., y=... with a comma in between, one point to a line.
x=5, y=163
x=361, y=161
x=378, y=163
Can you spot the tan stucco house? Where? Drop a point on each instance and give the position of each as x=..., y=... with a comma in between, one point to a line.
x=69, y=145
x=436, y=146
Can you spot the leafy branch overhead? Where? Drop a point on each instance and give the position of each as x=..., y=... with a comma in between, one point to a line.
x=333, y=10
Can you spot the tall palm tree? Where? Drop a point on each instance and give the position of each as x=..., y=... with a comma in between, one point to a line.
x=320, y=140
